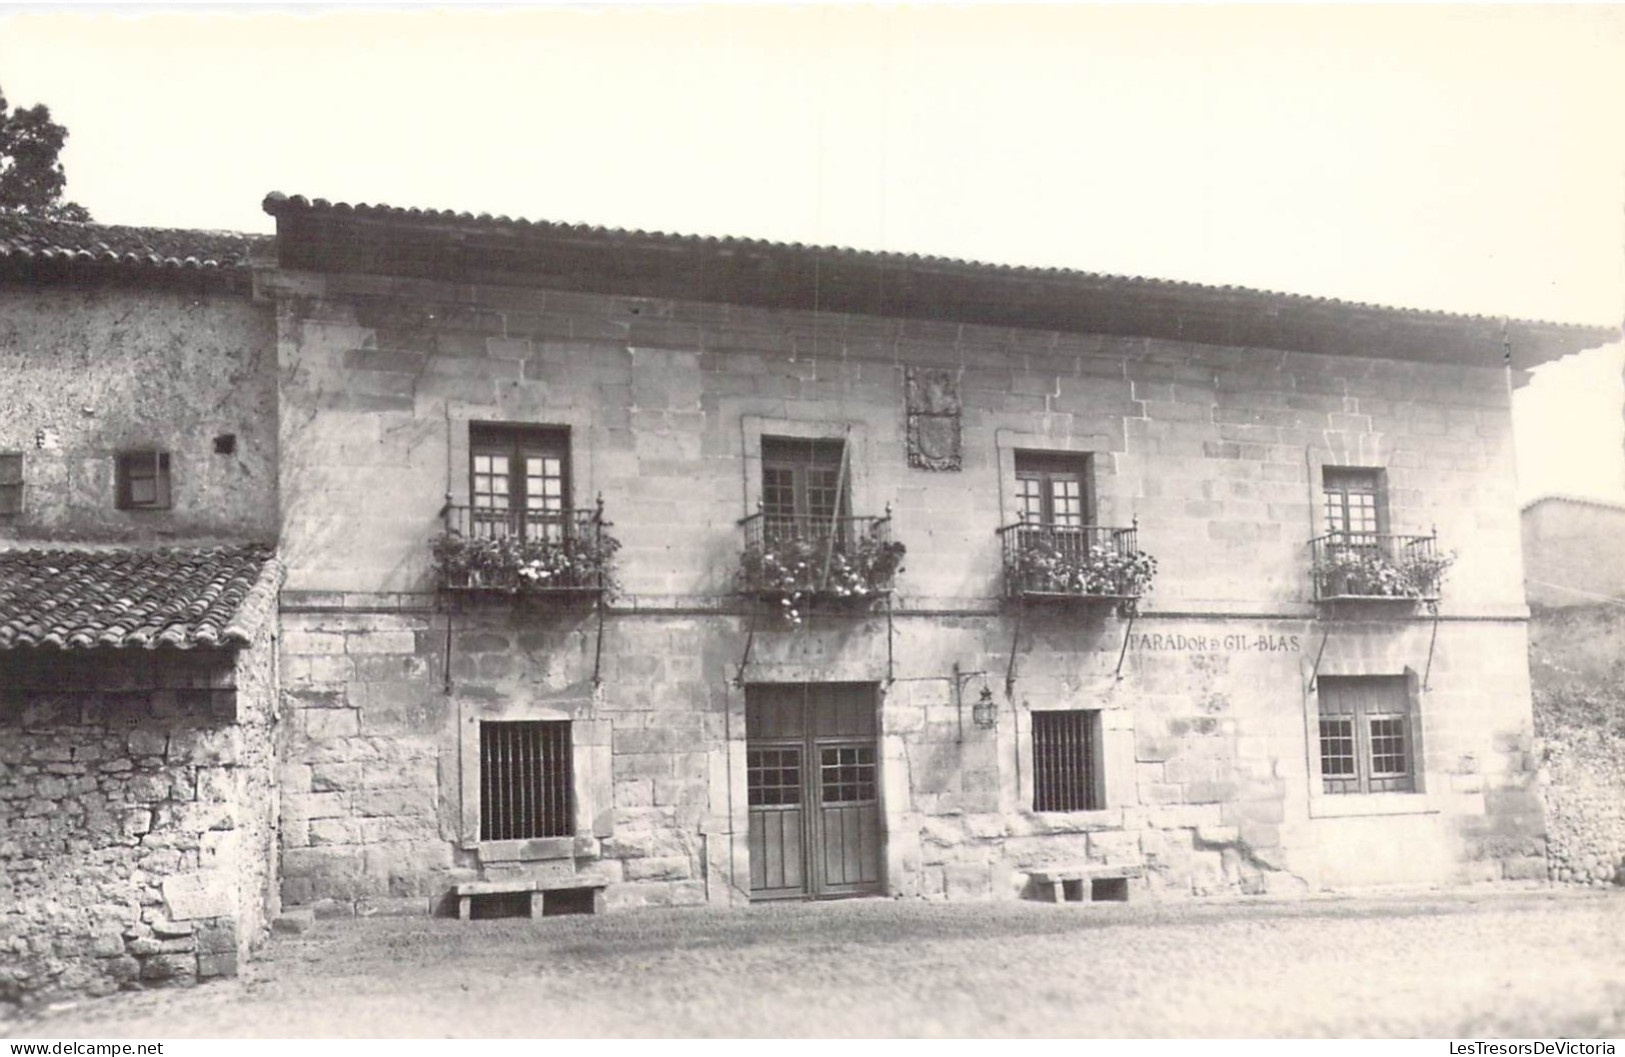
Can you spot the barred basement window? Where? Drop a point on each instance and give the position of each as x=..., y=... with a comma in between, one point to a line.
x=1066, y=761
x=142, y=478
x=1365, y=735
x=525, y=780
x=11, y=483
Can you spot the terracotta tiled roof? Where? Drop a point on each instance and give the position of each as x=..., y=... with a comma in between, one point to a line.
x=181, y=598
x=278, y=204
x=31, y=239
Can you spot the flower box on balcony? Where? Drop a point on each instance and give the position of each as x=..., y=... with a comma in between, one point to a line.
x=1362, y=566
x=793, y=562
x=1076, y=563
x=533, y=552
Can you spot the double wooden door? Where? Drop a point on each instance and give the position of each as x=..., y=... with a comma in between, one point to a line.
x=813, y=775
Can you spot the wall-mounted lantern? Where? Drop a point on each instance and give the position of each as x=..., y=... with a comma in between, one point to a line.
x=986, y=711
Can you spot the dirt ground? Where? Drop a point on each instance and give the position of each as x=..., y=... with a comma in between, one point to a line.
x=1530, y=963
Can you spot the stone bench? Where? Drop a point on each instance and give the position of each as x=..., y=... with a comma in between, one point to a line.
x=467, y=891
x=1076, y=884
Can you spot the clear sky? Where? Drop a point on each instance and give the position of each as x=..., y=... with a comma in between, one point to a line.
x=1464, y=159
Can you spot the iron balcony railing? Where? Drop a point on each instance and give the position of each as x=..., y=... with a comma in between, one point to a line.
x=1047, y=560
x=488, y=549
x=840, y=557
x=1368, y=565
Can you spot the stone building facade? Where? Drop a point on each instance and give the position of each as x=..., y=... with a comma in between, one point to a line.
x=438, y=562
x=1267, y=716
x=138, y=596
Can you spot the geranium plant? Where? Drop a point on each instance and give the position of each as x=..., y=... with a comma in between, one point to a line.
x=1368, y=572
x=1038, y=564
x=580, y=560
x=793, y=571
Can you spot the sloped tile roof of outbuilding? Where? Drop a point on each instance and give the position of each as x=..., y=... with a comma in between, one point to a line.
x=124, y=597
x=33, y=239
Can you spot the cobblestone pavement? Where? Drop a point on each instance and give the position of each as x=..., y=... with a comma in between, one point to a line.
x=1461, y=965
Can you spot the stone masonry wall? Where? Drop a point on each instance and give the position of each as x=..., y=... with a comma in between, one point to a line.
x=1579, y=678
x=133, y=790
x=94, y=370
x=1216, y=451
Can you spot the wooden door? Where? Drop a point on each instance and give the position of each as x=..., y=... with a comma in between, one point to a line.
x=813, y=776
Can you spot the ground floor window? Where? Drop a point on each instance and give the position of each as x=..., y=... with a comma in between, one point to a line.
x=1066, y=761
x=525, y=780
x=1365, y=735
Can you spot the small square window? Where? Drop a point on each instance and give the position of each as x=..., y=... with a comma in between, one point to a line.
x=11, y=483
x=143, y=480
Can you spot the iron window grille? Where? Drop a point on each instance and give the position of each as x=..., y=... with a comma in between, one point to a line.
x=11, y=483
x=525, y=780
x=1366, y=741
x=1066, y=760
x=142, y=480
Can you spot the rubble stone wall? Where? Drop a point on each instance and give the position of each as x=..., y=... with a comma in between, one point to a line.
x=132, y=800
x=1577, y=665
x=94, y=370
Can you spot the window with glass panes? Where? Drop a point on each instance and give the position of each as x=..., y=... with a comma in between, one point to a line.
x=519, y=480
x=141, y=479
x=1365, y=735
x=1353, y=500
x=803, y=495
x=11, y=483
x=1051, y=489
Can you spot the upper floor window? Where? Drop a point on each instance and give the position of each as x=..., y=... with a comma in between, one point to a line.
x=1051, y=488
x=11, y=483
x=142, y=480
x=803, y=479
x=1353, y=500
x=519, y=479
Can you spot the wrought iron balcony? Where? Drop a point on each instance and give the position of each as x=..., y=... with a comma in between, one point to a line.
x=525, y=551
x=1080, y=562
x=796, y=558
x=1352, y=566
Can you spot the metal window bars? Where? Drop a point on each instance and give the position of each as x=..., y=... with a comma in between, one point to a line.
x=1370, y=565
x=525, y=770
x=525, y=551
x=1064, y=761
x=1050, y=560
x=811, y=555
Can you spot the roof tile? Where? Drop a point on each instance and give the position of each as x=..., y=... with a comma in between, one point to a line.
x=25, y=239
x=123, y=598
x=279, y=205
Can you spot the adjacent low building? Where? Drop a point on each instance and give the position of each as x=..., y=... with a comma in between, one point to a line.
x=138, y=607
